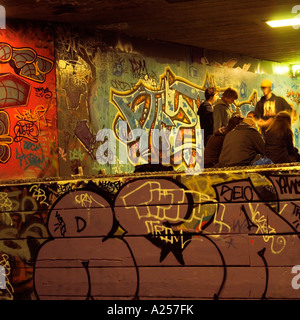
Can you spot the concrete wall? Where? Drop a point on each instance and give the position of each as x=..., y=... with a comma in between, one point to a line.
x=221, y=234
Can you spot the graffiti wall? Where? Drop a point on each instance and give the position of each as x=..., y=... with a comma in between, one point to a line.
x=28, y=134
x=218, y=235
x=105, y=81
x=64, y=100
x=80, y=102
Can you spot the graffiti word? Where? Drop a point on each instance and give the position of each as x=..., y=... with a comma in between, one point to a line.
x=5, y=202
x=2, y=18
x=110, y=186
x=288, y=185
x=296, y=213
x=295, y=279
x=86, y=200
x=31, y=146
x=76, y=154
x=39, y=193
x=121, y=85
x=43, y=92
x=60, y=224
x=173, y=100
x=30, y=160
x=26, y=130
x=236, y=193
x=160, y=145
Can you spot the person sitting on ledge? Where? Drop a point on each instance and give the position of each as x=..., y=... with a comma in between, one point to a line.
x=279, y=140
x=214, y=144
x=242, y=146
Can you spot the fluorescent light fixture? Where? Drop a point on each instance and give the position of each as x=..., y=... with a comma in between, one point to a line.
x=281, y=69
x=284, y=23
x=295, y=68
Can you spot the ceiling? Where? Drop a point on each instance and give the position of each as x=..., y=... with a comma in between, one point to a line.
x=229, y=26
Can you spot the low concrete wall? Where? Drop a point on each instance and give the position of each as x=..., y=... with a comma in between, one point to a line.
x=223, y=234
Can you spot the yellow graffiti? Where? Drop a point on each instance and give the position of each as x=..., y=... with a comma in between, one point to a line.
x=220, y=221
x=163, y=212
x=86, y=200
x=38, y=115
x=39, y=194
x=268, y=232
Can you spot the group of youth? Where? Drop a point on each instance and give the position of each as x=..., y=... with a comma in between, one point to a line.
x=264, y=136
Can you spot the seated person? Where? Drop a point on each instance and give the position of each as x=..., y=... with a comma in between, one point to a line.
x=242, y=146
x=214, y=144
x=279, y=140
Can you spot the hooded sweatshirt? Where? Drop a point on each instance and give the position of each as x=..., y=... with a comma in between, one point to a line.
x=222, y=114
x=241, y=146
x=213, y=147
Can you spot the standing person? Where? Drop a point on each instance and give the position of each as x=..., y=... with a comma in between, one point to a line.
x=223, y=110
x=242, y=146
x=205, y=112
x=268, y=106
x=279, y=140
x=215, y=142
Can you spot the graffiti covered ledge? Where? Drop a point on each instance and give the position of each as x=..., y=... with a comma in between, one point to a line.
x=223, y=234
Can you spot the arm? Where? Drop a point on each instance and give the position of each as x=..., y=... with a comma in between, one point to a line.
x=218, y=116
x=259, y=143
x=260, y=122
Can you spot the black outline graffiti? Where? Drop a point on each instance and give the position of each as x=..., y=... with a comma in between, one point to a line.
x=172, y=247
x=261, y=253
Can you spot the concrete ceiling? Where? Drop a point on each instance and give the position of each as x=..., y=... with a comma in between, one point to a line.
x=229, y=26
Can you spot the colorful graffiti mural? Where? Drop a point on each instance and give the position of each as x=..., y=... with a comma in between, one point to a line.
x=27, y=102
x=233, y=233
x=54, y=91
x=149, y=93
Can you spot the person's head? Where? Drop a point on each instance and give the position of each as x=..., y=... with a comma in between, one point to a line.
x=281, y=124
x=211, y=94
x=233, y=122
x=266, y=87
x=229, y=95
x=251, y=122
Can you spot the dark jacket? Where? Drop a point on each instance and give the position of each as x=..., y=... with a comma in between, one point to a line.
x=222, y=114
x=266, y=109
x=281, y=149
x=241, y=146
x=205, y=113
x=213, y=148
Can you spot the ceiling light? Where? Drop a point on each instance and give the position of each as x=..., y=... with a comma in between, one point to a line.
x=281, y=69
x=296, y=69
x=284, y=23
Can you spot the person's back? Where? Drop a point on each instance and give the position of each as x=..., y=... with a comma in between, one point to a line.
x=214, y=144
x=242, y=146
x=279, y=140
x=213, y=148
